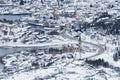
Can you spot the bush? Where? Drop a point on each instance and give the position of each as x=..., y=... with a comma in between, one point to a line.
x=38, y=78
x=33, y=51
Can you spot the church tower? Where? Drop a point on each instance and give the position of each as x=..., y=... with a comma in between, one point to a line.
x=79, y=40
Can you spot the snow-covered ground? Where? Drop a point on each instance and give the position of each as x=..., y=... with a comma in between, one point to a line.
x=47, y=59
x=107, y=42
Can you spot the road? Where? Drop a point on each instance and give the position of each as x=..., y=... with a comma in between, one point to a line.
x=99, y=47
x=63, y=34
x=70, y=41
x=13, y=45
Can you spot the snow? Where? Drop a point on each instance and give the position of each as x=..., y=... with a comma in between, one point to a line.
x=38, y=45
x=64, y=67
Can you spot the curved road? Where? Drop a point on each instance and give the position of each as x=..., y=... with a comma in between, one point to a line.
x=100, y=48
x=72, y=41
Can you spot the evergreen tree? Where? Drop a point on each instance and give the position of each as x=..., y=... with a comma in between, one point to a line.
x=21, y=2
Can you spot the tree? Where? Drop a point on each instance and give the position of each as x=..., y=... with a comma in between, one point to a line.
x=21, y=2
x=115, y=57
x=58, y=2
x=62, y=0
x=42, y=1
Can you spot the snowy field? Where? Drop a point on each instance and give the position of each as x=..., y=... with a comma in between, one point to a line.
x=59, y=40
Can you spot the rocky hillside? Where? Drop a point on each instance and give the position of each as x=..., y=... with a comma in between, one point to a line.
x=106, y=23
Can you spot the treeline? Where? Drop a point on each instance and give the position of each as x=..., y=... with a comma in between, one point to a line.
x=97, y=63
x=56, y=51
x=104, y=21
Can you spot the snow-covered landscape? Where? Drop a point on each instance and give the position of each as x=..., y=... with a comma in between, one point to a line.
x=59, y=40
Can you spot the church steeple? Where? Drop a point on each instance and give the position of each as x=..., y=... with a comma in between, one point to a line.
x=79, y=40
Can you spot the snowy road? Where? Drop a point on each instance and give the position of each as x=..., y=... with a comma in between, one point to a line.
x=100, y=48
x=70, y=41
x=39, y=44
